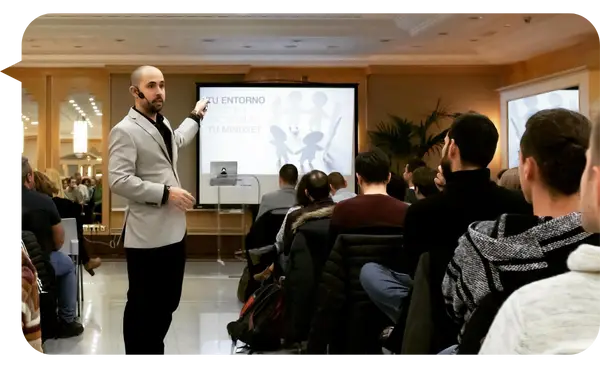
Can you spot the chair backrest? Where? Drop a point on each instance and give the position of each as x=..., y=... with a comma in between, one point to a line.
x=71, y=244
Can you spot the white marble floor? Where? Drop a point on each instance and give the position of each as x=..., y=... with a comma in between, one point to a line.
x=208, y=303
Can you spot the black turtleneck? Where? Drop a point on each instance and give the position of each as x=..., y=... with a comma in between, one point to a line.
x=162, y=129
x=436, y=222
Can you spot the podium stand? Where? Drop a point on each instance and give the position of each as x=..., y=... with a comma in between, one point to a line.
x=225, y=179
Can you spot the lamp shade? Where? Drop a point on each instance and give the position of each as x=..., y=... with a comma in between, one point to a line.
x=80, y=136
x=20, y=136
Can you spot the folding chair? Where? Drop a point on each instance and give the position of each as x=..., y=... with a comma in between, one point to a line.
x=71, y=249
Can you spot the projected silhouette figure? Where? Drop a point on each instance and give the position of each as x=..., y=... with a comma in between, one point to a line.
x=294, y=112
x=532, y=107
x=281, y=149
x=311, y=146
x=276, y=112
x=555, y=100
x=328, y=158
x=317, y=112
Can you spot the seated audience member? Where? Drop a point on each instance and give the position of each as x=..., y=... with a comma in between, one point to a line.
x=30, y=303
x=503, y=255
x=339, y=187
x=424, y=182
x=321, y=205
x=373, y=208
x=510, y=179
x=396, y=187
x=73, y=193
x=435, y=224
x=559, y=315
x=409, y=169
x=41, y=217
x=302, y=200
x=285, y=196
x=82, y=187
x=66, y=209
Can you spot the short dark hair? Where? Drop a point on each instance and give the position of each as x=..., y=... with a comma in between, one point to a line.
x=25, y=169
x=317, y=185
x=301, y=197
x=476, y=137
x=373, y=166
x=423, y=178
x=289, y=174
x=414, y=163
x=397, y=187
x=557, y=140
x=336, y=180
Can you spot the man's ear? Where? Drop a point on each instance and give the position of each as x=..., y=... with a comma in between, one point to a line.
x=134, y=91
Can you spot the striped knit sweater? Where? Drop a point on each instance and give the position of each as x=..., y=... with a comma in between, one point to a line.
x=30, y=303
x=503, y=255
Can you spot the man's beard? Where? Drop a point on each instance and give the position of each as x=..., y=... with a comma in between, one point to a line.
x=154, y=107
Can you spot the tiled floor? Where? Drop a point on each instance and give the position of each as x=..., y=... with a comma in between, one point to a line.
x=208, y=303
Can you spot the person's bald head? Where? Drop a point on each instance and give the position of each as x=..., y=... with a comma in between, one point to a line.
x=317, y=187
x=148, y=88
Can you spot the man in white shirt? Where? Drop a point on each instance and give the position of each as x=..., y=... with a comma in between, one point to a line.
x=558, y=315
x=339, y=187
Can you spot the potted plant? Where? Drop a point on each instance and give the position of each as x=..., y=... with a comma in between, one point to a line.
x=403, y=139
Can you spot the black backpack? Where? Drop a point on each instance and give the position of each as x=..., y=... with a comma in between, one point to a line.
x=260, y=325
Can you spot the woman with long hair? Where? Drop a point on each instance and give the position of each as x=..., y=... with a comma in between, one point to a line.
x=51, y=185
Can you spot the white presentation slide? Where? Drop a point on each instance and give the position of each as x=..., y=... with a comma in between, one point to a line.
x=264, y=127
x=521, y=109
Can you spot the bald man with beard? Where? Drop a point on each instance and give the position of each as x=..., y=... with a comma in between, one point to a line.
x=142, y=168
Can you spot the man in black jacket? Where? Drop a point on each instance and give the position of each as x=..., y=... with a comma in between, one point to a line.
x=500, y=256
x=435, y=223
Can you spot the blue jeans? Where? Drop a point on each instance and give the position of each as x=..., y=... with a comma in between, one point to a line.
x=66, y=279
x=386, y=288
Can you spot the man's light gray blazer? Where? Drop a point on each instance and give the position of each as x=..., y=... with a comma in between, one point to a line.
x=138, y=170
x=283, y=198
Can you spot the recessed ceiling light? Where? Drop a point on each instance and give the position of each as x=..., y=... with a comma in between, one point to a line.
x=93, y=104
x=92, y=99
x=475, y=17
x=26, y=119
x=290, y=46
x=99, y=114
x=384, y=40
x=83, y=114
x=72, y=101
x=25, y=128
x=91, y=125
x=23, y=116
x=78, y=108
x=443, y=34
x=34, y=123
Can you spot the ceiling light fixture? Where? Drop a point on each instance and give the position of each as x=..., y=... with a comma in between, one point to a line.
x=34, y=123
x=99, y=114
x=83, y=114
x=78, y=108
x=93, y=104
x=72, y=101
x=91, y=99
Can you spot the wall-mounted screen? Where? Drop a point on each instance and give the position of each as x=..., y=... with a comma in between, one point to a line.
x=519, y=110
x=263, y=126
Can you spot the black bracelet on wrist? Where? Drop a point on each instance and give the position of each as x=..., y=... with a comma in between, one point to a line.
x=196, y=117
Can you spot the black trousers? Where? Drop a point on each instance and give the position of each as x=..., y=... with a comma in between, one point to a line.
x=155, y=282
